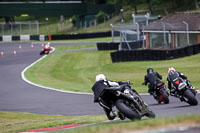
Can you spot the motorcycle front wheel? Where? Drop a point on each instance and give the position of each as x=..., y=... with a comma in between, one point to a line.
x=42, y=52
x=190, y=97
x=150, y=113
x=126, y=110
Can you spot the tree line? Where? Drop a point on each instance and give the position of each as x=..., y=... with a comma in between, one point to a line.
x=151, y=3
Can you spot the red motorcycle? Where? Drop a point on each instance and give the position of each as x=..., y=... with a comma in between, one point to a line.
x=46, y=49
x=161, y=94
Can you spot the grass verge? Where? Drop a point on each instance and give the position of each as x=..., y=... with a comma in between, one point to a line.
x=76, y=71
x=15, y=122
x=103, y=39
x=63, y=48
x=144, y=125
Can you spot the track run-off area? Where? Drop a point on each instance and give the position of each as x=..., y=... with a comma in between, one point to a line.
x=17, y=95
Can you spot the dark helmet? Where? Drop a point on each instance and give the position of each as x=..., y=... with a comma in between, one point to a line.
x=149, y=70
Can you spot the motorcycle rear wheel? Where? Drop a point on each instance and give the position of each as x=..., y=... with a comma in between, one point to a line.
x=164, y=96
x=190, y=97
x=127, y=111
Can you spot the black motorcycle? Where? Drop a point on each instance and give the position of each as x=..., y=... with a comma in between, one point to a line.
x=184, y=92
x=160, y=93
x=126, y=100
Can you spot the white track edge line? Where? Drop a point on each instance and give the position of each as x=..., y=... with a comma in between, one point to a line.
x=49, y=88
x=45, y=87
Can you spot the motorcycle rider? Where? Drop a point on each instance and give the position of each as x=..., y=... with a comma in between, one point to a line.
x=152, y=78
x=100, y=84
x=47, y=48
x=173, y=75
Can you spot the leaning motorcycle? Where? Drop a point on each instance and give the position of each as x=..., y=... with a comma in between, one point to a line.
x=127, y=101
x=160, y=93
x=45, y=51
x=184, y=92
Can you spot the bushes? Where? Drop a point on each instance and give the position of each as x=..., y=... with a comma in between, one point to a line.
x=73, y=20
x=101, y=16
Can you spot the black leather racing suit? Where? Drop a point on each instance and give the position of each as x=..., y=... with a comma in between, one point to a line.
x=152, y=79
x=101, y=96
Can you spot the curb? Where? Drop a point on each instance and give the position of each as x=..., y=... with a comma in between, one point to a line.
x=42, y=130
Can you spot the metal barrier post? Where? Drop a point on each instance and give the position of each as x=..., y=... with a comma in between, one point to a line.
x=138, y=34
x=37, y=27
x=2, y=29
x=147, y=19
x=20, y=26
x=112, y=33
x=143, y=39
x=164, y=33
x=11, y=28
x=187, y=28
x=29, y=28
x=133, y=16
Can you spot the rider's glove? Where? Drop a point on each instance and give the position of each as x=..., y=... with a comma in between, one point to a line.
x=129, y=82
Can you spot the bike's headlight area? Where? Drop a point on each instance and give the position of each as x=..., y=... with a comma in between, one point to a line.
x=181, y=86
x=126, y=91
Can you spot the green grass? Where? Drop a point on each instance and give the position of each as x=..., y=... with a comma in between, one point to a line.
x=103, y=39
x=63, y=48
x=12, y=122
x=131, y=126
x=15, y=122
x=76, y=71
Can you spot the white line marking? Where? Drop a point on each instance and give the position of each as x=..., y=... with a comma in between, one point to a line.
x=45, y=87
x=49, y=88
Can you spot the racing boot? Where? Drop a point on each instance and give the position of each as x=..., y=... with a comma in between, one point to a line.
x=155, y=95
x=120, y=115
x=192, y=88
x=112, y=115
x=173, y=91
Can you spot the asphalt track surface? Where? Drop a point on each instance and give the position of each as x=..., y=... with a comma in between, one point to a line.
x=16, y=95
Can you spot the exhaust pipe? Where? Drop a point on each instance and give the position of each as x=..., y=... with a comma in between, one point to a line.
x=118, y=93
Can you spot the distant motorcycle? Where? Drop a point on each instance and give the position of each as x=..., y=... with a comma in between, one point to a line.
x=45, y=50
x=127, y=101
x=184, y=93
x=161, y=94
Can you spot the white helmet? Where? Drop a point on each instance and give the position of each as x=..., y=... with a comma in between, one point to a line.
x=171, y=69
x=47, y=45
x=100, y=77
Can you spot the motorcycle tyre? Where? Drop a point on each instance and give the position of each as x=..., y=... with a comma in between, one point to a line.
x=126, y=111
x=191, y=97
x=150, y=113
x=165, y=98
x=42, y=52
